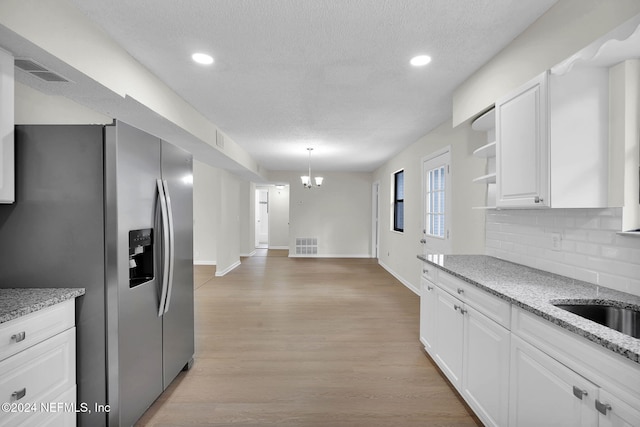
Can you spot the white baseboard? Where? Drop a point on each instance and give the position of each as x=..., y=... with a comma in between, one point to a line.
x=250, y=254
x=228, y=269
x=408, y=284
x=293, y=255
x=203, y=262
x=278, y=247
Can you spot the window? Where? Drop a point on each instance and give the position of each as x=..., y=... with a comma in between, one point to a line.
x=398, y=201
x=436, y=202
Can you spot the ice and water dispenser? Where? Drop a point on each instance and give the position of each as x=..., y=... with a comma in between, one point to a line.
x=140, y=256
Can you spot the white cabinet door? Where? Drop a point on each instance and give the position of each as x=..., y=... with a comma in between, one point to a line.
x=616, y=412
x=427, y=314
x=485, y=376
x=522, y=163
x=448, y=336
x=544, y=392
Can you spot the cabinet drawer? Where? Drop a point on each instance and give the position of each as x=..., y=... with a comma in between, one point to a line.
x=491, y=306
x=23, y=332
x=37, y=375
x=429, y=272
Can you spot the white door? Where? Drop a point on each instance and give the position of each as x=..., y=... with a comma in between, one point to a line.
x=262, y=217
x=436, y=191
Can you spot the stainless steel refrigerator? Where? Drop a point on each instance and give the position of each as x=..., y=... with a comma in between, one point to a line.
x=108, y=208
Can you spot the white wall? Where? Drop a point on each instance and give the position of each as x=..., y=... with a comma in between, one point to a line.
x=206, y=184
x=398, y=250
x=247, y=218
x=338, y=213
x=222, y=216
x=279, y=217
x=591, y=250
x=35, y=107
x=228, y=225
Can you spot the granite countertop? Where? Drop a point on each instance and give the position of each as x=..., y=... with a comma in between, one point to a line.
x=536, y=291
x=16, y=302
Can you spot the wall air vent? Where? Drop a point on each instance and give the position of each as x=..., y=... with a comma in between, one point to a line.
x=306, y=245
x=30, y=66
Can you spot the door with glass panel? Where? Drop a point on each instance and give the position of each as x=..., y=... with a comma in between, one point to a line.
x=436, y=186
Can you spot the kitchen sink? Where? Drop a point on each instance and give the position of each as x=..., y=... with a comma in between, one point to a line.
x=625, y=320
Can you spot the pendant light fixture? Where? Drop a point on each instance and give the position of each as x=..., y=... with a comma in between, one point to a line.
x=306, y=179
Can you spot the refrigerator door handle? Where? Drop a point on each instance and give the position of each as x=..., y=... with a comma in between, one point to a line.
x=172, y=251
x=165, y=245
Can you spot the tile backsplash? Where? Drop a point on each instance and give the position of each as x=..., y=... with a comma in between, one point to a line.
x=589, y=248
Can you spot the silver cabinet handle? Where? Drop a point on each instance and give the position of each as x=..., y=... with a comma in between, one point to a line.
x=602, y=407
x=423, y=240
x=463, y=311
x=20, y=336
x=460, y=291
x=429, y=288
x=425, y=270
x=579, y=393
x=456, y=307
x=19, y=394
x=538, y=199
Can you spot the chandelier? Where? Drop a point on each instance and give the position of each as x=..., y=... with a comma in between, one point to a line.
x=306, y=179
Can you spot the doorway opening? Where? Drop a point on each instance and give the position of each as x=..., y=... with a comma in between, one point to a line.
x=262, y=218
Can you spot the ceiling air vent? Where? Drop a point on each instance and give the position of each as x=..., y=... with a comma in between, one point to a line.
x=32, y=67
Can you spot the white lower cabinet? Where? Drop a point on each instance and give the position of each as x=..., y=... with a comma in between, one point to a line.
x=471, y=349
x=560, y=379
x=427, y=313
x=38, y=368
x=614, y=412
x=449, y=337
x=514, y=368
x=544, y=392
x=485, y=368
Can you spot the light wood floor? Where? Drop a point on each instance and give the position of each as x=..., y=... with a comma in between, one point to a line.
x=307, y=342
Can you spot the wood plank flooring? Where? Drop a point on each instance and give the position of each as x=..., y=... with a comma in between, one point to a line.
x=307, y=342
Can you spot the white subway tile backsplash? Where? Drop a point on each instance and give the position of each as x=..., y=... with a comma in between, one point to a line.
x=590, y=249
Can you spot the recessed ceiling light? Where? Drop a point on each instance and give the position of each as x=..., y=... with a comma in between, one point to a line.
x=202, y=58
x=420, y=60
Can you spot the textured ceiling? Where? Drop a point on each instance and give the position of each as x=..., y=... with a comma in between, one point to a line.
x=328, y=74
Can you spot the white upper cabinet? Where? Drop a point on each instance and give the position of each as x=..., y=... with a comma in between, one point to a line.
x=7, y=164
x=552, y=141
x=522, y=160
x=569, y=137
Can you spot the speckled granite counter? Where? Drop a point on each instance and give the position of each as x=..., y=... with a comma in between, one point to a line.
x=536, y=291
x=18, y=302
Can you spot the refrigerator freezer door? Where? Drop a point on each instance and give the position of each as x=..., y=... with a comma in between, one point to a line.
x=135, y=363
x=178, y=332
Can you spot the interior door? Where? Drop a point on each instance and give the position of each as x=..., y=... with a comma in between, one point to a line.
x=436, y=191
x=262, y=217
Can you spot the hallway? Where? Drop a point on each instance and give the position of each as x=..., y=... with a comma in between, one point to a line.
x=307, y=342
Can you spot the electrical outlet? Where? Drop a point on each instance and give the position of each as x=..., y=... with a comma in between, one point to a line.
x=556, y=241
